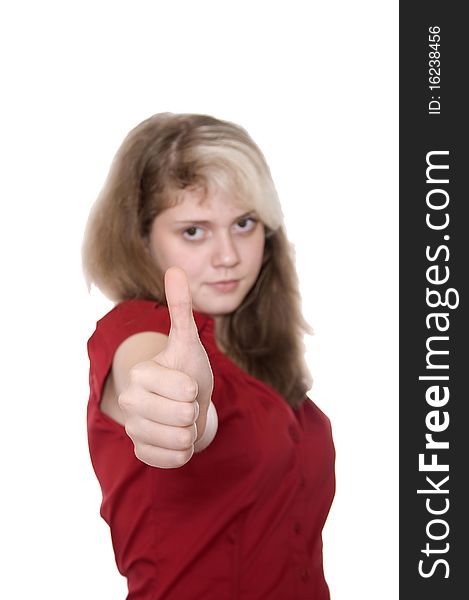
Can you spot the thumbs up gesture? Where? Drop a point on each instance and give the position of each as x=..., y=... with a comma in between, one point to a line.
x=166, y=402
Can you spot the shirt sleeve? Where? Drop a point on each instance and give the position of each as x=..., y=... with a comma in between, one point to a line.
x=134, y=316
x=124, y=320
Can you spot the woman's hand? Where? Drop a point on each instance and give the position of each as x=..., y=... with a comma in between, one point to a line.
x=167, y=398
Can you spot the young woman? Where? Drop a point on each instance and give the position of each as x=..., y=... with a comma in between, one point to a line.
x=217, y=471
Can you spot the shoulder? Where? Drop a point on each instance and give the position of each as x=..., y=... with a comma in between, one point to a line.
x=125, y=320
x=138, y=313
x=315, y=416
x=135, y=316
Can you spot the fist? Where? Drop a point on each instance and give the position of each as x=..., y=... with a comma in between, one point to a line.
x=167, y=397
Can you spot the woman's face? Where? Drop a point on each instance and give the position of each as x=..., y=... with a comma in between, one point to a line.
x=217, y=242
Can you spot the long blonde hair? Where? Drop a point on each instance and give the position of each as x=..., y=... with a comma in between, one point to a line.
x=160, y=157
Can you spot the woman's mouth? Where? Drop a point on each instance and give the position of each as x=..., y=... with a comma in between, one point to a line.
x=225, y=286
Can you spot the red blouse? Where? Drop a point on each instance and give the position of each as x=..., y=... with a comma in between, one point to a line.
x=243, y=518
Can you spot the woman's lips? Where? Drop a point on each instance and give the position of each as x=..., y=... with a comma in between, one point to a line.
x=225, y=286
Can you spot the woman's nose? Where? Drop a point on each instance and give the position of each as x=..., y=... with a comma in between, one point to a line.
x=225, y=252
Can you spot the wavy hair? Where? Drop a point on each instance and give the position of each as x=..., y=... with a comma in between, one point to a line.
x=159, y=158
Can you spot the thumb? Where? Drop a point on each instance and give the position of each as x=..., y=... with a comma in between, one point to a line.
x=178, y=297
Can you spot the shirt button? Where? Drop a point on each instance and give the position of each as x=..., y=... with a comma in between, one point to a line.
x=297, y=527
x=305, y=574
x=294, y=433
x=302, y=482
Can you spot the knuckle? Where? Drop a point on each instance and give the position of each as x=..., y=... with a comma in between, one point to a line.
x=187, y=413
x=124, y=400
x=135, y=373
x=128, y=429
x=141, y=453
x=185, y=439
x=191, y=389
x=181, y=457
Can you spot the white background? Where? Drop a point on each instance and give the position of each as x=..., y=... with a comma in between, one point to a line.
x=315, y=84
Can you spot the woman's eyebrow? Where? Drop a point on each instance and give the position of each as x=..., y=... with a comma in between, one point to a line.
x=251, y=213
x=199, y=222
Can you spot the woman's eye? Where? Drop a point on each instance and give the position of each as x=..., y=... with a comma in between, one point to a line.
x=246, y=224
x=193, y=233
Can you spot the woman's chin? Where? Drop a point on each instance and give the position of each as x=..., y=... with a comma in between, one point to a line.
x=219, y=307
